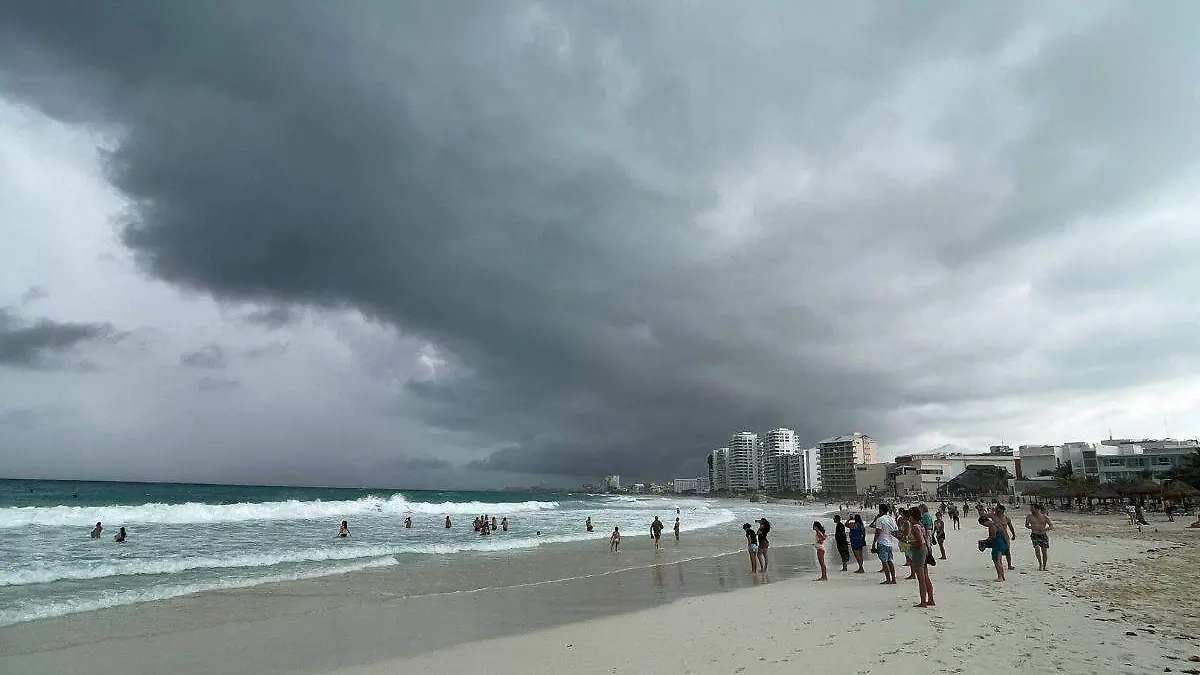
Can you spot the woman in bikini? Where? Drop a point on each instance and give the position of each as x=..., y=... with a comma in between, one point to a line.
x=819, y=531
x=917, y=553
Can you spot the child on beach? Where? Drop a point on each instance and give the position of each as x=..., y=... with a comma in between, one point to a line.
x=939, y=535
x=614, y=542
x=819, y=531
x=751, y=546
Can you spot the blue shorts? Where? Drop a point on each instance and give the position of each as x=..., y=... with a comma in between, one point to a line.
x=884, y=553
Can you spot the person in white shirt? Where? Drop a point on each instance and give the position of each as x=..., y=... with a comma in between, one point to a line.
x=885, y=542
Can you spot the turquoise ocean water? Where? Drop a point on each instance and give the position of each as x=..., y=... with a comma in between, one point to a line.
x=186, y=539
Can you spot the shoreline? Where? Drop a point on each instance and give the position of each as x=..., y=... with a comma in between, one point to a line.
x=1105, y=582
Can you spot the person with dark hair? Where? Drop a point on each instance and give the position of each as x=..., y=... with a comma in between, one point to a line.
x=885, y=528
x=997, y=540
x=344, y=530
x=764, y=528
x=917, y=555
x=751, y=546
x=858, y=541
x=842, y=541
x=939, y=534
x=1001, y=518
x=819, y=530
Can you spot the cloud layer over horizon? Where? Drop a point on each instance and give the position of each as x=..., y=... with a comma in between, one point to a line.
x=384, y=242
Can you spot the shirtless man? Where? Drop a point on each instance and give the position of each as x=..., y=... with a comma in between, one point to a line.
x=1039, y=526
x=656, y=529
x=1005, y=523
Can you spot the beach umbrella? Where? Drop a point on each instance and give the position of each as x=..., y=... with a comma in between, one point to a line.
x=1104, y=491
x=1139, y=488
x=1178, y=490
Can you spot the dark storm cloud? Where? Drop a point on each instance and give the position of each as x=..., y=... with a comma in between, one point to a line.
x=42, y=343
x=208, y=356
x=638, y=227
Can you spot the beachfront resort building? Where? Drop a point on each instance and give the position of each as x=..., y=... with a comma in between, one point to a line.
x=698, y=486
x=781, y=461
x=926, y=473
x=812, y=469
x=838, y=457
x=875, y=479
x=1037, y=460
x=745, y=462
x=719, y=467
x=1082, y=456
x=1129, y=459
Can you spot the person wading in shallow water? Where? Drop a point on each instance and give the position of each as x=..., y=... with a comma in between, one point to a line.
x=656, y=529
x=764, y=528
x=751, y=546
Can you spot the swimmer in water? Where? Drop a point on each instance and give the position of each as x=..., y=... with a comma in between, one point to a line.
x=344, y=530
x=504, y=523
x=447, y=522
x=120, y=538
x=588, y=524
x=408, y=523
x=97, y=530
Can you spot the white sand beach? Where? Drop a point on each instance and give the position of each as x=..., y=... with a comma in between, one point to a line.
x=1106, y=605
x=1114, y=601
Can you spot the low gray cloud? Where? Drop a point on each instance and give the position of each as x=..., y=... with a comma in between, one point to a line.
x=33, y=294
x=273, y=318
x=211, y=356
x=217, y=384
x=632, y=230
x=18, y=419
x=44, y=343
x=266, y=350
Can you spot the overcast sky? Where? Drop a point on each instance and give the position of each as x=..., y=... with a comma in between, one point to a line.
x=491, y=243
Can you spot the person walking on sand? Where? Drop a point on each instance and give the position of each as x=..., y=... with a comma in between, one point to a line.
x=954, y=516
x=676, y=528
x=1039, y=526
x=97, y=530
x=997, y=540
x=884, y=542
x=917, y=553
x=819, y=533
x=656, y=529
x=1001, y=518
x=842, y=540
x=858, y=541
x=764, y=528
x=751, y=546
x=344, y=530
x=939, y=535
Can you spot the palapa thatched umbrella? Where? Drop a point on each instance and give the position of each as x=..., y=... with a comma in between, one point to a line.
x=1141, y=488
x=1178, y=490
x=1104, y=491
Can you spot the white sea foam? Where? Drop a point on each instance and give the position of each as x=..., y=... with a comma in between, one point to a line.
x=85, y=570
x=196, y=513
x=102, y=600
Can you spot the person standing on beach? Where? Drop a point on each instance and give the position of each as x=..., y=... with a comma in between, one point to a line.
x=614, y=542
x=885, y=528
x=1001, y=518
x=819, y=533
x=97, y=530
x=751, y=546
x=764, y=528
x=656, y=529
x=1039, y=526
x=997, y=540
x=858, y=541
x=939, y=535
x=676, y=528
x=917, y=553
x=842, y=540
x=954, y=516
